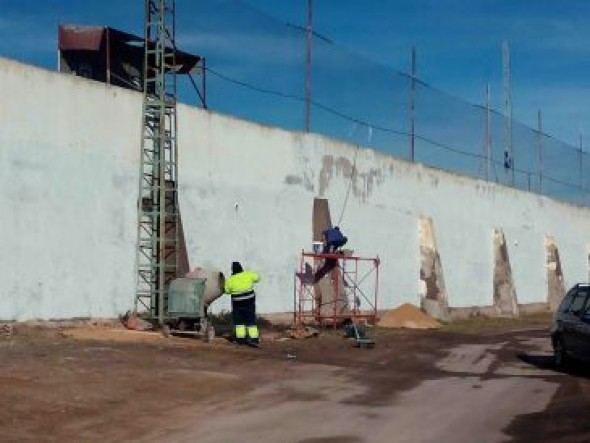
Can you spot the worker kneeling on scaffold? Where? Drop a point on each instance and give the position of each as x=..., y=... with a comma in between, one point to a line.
x=243, y=304
x=333, y=240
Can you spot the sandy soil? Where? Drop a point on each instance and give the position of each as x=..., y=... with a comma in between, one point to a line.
x=110, y=385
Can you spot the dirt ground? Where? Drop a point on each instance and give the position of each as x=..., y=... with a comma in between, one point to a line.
x=475, y=382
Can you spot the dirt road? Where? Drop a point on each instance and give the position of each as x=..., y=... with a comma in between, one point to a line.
x=93, y=385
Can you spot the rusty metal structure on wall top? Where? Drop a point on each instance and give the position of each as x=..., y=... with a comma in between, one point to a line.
x=112, y=56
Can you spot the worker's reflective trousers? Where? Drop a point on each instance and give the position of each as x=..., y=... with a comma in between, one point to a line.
x=244, y=319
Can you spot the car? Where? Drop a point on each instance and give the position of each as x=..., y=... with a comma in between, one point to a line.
x=570, y=329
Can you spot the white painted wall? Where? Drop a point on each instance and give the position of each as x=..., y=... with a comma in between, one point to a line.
x=67, y=194
x=68, y=188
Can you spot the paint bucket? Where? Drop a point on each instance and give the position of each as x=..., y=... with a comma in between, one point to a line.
x=317, y=247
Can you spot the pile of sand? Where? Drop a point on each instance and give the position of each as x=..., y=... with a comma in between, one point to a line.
x=407, y=316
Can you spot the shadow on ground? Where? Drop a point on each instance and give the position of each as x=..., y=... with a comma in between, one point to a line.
x=547, y=363
x=565, y=418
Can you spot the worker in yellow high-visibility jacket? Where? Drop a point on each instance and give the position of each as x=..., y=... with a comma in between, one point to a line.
x=243, y=302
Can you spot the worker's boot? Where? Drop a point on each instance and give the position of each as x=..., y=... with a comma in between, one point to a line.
x=254, y=342
x=240, y=334
x=237, y=341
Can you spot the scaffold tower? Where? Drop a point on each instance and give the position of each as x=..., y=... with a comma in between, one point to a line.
x=335, y=288
x=158, y=230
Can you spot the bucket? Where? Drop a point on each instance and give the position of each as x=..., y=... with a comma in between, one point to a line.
x=317, y=247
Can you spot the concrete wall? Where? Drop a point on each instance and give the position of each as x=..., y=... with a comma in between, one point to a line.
x=68, y=188
x=68, y=192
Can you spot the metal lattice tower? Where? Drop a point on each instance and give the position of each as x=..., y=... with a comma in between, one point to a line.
x=157, y=230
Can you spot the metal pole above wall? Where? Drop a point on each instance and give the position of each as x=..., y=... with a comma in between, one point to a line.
x=204, y=83
x=540, y=148
x=508, y=110
x=308, y=65
x=581, y=162
x=108, y=55
x=488, y=141
x=412, y=102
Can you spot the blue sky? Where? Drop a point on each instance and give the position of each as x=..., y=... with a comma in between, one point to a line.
x=458, y=43
x=459, y=48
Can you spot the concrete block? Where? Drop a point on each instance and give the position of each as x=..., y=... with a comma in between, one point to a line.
x=555, y=282
x=433, y=298
x=505, y=300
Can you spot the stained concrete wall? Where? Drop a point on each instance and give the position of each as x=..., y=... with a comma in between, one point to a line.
x=68, y=189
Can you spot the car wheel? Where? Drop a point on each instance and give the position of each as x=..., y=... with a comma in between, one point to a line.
x=560, y=353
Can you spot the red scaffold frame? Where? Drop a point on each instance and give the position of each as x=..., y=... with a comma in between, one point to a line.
x=346, y=284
